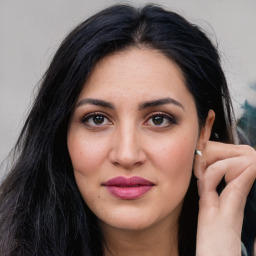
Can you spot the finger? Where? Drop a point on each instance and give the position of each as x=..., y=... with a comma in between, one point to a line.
x=233, y=197
x=199, y=166
x=245, y=180
x=215, y=151
x=230, y=168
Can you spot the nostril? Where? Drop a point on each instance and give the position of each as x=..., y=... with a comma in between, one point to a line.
x=129, y=163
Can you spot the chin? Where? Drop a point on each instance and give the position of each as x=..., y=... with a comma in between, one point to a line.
x=129, y=224
x=127, y=219
x=137, y=219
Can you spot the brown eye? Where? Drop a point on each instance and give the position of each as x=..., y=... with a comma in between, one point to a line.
x=161, y=120
x=96, y=120
x=157, y=120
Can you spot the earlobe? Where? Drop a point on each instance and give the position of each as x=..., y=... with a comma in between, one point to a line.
x=205, y=132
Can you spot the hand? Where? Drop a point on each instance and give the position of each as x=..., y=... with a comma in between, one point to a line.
x=221, y=216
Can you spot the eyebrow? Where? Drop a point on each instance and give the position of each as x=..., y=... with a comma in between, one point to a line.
x=155, y=103
x=144, y=105
x=101, y=103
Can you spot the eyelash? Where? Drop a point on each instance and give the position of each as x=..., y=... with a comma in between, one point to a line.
x=85, y=119
x=170, y=119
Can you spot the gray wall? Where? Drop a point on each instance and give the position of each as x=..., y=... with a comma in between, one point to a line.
x=30, y=32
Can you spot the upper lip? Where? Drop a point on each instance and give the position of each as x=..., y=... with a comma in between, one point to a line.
x=128, y=182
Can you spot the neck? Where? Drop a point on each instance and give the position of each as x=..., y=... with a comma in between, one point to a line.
x=161, y=240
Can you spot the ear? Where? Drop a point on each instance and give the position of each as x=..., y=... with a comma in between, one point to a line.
x=205, y=132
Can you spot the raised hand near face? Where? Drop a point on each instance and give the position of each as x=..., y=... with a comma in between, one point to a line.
x=221, y=215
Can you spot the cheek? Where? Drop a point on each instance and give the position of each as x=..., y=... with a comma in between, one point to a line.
x=177, y=162
x=175, y=157
x=86, y=153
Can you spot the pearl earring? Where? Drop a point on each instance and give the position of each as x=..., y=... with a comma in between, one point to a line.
x=198, y=152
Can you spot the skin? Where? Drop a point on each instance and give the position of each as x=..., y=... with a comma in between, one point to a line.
x=221, y=216
x=129, y=142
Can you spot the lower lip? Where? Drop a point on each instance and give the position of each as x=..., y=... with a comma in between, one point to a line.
x=128, y=193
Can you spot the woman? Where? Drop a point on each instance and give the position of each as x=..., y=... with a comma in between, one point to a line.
x=105, y=159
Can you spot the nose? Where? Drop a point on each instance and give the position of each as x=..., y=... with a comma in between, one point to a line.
x=127, y=150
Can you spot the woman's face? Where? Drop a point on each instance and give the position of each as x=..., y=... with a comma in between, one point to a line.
x=132, y=139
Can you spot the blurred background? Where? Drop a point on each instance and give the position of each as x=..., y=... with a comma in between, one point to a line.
x=31, y=31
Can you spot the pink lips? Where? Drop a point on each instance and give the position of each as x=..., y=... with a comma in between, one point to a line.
x=128, y=188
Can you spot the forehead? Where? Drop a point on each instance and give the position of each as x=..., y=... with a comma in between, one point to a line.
x=137, y=71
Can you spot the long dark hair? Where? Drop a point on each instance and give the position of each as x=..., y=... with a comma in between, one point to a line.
x=42, y=211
